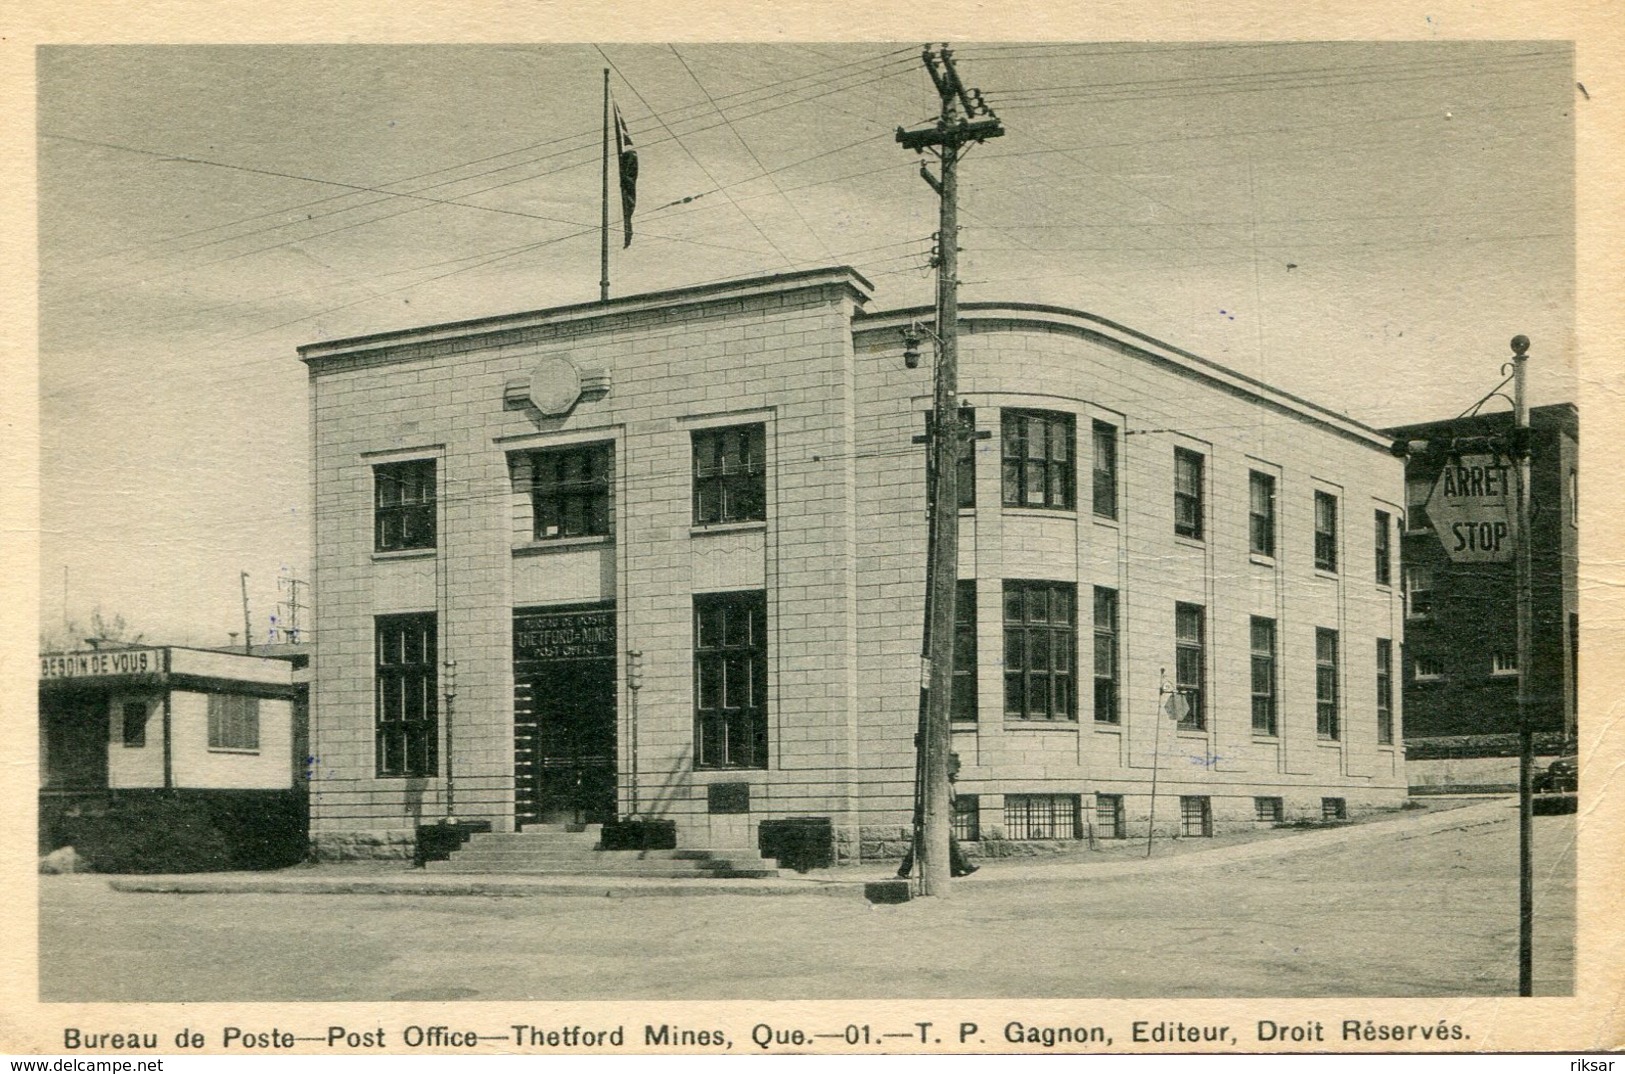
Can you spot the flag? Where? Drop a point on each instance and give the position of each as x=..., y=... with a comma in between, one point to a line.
x=628, y=158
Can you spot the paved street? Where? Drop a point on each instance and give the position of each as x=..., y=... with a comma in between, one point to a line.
x=1408, y=910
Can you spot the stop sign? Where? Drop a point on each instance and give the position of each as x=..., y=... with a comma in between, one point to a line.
x=1471, y=509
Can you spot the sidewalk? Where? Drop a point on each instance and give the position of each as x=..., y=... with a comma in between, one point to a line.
x=1124, y=860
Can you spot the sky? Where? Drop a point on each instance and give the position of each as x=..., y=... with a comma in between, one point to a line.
x=1362, y=225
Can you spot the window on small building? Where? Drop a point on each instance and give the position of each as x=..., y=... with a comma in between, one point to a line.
x=1109, y=817
x=135, y=724
x=1426, y=668
x=1325, y=531
x=730, y=680
x=730, y=474
x=967, y=819
x=1195, y=815
x=1383, y=534
x=1188, y=494
x=1418, y=592
x=1334, y=809
x=234, y=722
x=1326, y=696
x=1105, y=476
x=1261, y=513
x=570, y=490
x=1038, y=466
x=1190, y=664
x=1268, y=810
x=964, y=699
x=1417, y=491
x=1040, y=640
x=1263, y=660
x=1385, y=692
x=1041, y=816
x=403, y=505
x=1106, y=687
x=1504, y=662
x=407, y=730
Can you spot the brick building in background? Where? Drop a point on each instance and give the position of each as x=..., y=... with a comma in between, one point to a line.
x=671, y=547
x=1461, y=667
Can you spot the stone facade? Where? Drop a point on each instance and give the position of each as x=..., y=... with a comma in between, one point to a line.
x=838, y=560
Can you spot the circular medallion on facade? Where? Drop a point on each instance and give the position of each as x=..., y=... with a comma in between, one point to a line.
x=555, y=385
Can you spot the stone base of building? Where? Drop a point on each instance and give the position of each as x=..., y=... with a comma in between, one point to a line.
x=381, y=845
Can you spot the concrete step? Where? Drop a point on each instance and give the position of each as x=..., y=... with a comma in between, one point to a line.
x=550, y=851
x=668, y=869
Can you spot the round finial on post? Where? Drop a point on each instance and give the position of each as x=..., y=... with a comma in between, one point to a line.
x=1520, y=345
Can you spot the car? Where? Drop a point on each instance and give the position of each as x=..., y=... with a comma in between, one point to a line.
x=1562, y=776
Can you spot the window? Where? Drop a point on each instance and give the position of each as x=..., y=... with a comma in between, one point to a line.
x=967, y=820
x=1040, y=638
x=1504, y=662
x=1187, y=494
x=1385, y=692
x=730, y=680
x=1038, y=467
x=1263, y=652
x=1426, y=668
x=1261, y=513
x=964, y=699
x=1190, y=663
x=1041, y=816
x=1384, y=546
x=1325, y=531
x=570, y=490
x=1195, y=815
x=965, y=484
x=1333, y=809
x=1106, y=710
x=1418, y=592
x=1417, y=491
x=1268, y=810
x=1326, y=683
x=408, y=697
x=135, y=724
x=1109, y=817
x=1105, y=478
x=234, y=722
x=730, y=474
x=403, y=505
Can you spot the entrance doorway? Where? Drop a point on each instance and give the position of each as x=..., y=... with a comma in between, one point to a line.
x=564, y=715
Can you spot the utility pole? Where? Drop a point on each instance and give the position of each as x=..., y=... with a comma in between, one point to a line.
x=1526, y=737
x=248, y=627
x=965, y=119
x=292, y=583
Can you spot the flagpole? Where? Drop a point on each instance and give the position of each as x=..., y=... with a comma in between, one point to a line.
x=603, y=228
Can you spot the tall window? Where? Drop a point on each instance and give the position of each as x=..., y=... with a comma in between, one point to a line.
x=570, y=490
x=1041, y=816
x=1325, y=531
x=1038, y=464
x=1106, y=709
x=1105, y=478
x=403, y=505
x=1418, y=592
x=407, y=697
x=730, y=680
x=1187, y=494
x=1417, y=491
x=1190, y=664
x=135, y=724
x=234, y=722
x=1261, y=513
x=1263, y=653
x=1326, y=715
x=964, y=699
x=1040, y=638
x=1384, y=545
x=730, y=474
x=1385, y=691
